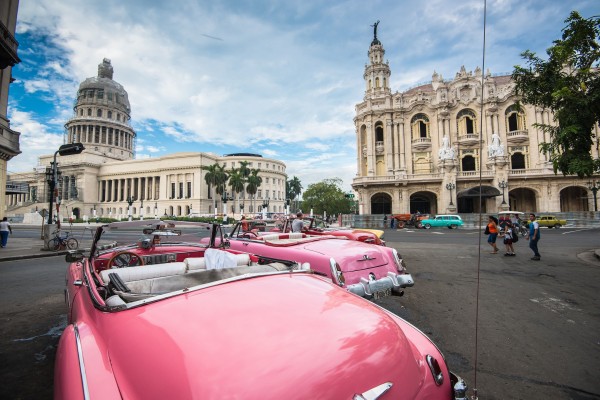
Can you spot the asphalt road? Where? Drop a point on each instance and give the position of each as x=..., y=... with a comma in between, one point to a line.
x=533, y=327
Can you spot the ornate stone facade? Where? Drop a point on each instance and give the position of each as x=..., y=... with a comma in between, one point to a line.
x=99, y=181
x=427, y=148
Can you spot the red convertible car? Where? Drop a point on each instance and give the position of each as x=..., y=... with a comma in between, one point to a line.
x=196, y=327
x=363, y=269
x=313, y=226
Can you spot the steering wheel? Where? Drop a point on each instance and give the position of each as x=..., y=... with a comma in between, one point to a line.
x=249, y=235
x=125, y=259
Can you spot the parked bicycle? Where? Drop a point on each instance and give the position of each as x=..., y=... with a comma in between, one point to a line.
x=63, y=242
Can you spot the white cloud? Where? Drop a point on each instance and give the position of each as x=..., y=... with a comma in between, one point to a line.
x=272, y=76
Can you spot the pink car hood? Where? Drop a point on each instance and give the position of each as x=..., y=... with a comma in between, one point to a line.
x=349, y=254
x=276, y=337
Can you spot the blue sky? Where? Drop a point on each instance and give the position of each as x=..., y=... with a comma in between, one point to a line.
x=278, y=78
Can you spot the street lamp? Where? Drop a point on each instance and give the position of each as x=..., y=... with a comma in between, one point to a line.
x=130, y=201
x=450, y=186
x=52, y=175
x=265, y=207
x=594, y=186
x=141, y=209
x=503, y=185
x=224, y=198
x=155, y=209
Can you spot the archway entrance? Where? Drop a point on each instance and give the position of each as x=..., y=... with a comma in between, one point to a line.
x=574, y=198
x=522, y=199
x=76, y=212
x=423, y=202
x=381, y=203
x=468, y=199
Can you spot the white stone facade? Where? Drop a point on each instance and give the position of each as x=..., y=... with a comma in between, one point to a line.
x=423, y=149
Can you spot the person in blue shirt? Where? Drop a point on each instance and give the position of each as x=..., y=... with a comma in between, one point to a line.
x=534, y=237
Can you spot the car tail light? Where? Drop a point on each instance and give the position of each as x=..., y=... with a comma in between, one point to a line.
x=436, y=370
x=336, y=273
x=400, y=264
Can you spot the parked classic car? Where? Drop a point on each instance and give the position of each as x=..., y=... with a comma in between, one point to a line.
x=550, y=221
x=189, y=329
x=315, y=226
x=366, y=270
x=450, y=221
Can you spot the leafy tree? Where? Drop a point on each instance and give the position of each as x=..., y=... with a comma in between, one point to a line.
x=254, y=182
x=568, y=84
x=211, y=177
x=326, y=195
x=293, y=188
x=237, y=182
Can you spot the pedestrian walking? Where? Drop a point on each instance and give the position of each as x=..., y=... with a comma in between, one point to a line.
x=5, y=229
x=492, y=231
x=534, y=237
x=384, y=221
x=392, y=222
x=509, y=235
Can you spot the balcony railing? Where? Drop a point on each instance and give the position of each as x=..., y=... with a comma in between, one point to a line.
x=517, y=136
x=421, y=143
x=468, y=139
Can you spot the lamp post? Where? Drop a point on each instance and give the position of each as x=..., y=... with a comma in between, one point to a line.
x=451, y=186
x=224, y=198
x=155, y=209
x=130, y=201
x=141, y=209
x=52, y=175
x=594, y=186
x=265, y=207
x=503, y=185
x=287, y=206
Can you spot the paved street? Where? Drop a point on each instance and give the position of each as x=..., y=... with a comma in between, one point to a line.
x=537, y=332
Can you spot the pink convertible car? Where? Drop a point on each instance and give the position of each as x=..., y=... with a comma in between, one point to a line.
x=364, y=269
x=214, y=324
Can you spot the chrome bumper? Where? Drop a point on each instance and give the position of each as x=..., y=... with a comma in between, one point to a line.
x=459, y=387
x=392, y=282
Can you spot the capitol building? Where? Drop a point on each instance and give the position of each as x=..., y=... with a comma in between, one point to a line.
x=101, y=180
x=427, y=148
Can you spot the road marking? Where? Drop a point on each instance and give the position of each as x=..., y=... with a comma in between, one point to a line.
x=553, y=304
x=578, y=230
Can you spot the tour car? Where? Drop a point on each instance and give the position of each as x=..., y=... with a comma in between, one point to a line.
x=177, y=320
x=361, y=268
x=315, y=226
x=449, y=221
x=550, y=221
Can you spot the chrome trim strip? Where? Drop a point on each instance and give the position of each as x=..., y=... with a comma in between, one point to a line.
x=86, y=392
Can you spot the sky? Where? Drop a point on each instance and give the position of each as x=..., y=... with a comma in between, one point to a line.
x=276, y=78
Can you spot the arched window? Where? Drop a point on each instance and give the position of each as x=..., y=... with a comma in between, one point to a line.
x=515, y=119
x=466, y=122
x=384, y=82
x=379, y=132
x=377, y=83
x=109, y=114
x=517, y=161
x=468, y=163
x=98, y=113
x=420, y=126
x=89, y=112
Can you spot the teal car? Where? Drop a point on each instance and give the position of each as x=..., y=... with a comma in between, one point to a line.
x=450, y=221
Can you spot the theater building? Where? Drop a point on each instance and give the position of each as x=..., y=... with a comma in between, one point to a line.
x=427, y=148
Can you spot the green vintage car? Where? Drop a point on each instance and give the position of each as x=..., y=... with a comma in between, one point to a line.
x=551, y=221
x=450, y=221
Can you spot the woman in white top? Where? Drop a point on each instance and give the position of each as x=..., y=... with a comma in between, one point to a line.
x=5, y=229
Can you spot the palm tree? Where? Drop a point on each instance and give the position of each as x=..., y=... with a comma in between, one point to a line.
x=236, y=182
x=221, y=178
x=294, y=188
x=254, y=182
x=211, y=179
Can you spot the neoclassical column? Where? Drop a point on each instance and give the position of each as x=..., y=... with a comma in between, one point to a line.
x=370, y=149
x=387, y=145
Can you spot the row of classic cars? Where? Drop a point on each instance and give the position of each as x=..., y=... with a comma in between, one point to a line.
x=166, y=318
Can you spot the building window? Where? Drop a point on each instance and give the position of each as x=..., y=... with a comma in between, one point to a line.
x=420, y=126
x=100, y=94
x=99, y=113
x=517, y=161
x=172, y=190
x=466, y=122
x=109, y=114
x=118, y=117
x=267, y=180
x=515, y=120
x=259, y=193
x=89, y=112
x=189, y=190
x=379, y=132
x=110, y=96
x=180, y=190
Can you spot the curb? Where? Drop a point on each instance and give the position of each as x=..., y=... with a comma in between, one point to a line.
x=36, y=255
